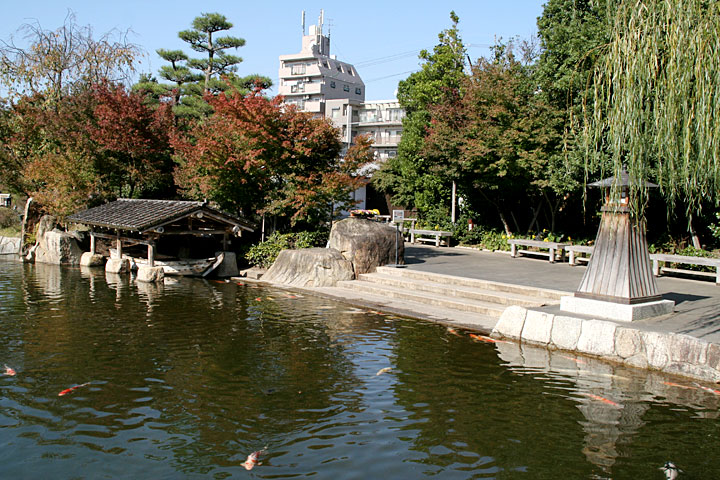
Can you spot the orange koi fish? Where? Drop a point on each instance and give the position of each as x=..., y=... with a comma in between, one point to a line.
x=482, y=338
x=708, y=389
x=673, y=384
x=9, y=371
x=258, y=299
x=252, y=459
x=576, y=360
x=601, y=399
x=453, y=331
x=71, y=389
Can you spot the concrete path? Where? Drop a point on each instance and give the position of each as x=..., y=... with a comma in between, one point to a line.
x=697, y=302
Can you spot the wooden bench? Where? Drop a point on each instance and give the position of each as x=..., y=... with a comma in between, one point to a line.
x=417, y=235
x=576, y=253
x=689, y=260
x=552, y=247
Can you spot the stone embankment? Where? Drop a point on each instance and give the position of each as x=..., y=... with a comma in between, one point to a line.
x=667, y=352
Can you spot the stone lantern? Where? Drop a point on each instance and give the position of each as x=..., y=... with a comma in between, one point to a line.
x=618, y=283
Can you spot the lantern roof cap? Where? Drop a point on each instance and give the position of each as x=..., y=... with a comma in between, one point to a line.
x=623, y=181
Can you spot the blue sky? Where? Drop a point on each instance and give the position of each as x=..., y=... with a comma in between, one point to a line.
x=381, y=38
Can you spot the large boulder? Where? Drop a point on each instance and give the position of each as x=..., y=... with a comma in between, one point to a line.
x=367, y=244
x=9, y=245
x=55, y=246
x=309, y=267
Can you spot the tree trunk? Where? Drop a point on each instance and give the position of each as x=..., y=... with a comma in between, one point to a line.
x=536, y=213
x=506, y=226
x=693, y=234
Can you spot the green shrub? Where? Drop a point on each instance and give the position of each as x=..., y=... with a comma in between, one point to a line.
x=8, y=218
x=264, y=254
x=495, y=240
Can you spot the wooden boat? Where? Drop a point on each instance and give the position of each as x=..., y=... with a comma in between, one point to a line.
x=188, y=267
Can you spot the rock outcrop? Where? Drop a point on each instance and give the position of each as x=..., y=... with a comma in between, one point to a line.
x=367, y=244
x=9, y=245
x=55, y=246
x=309, y=267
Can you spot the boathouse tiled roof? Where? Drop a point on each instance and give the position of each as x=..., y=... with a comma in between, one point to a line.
x=142, y=214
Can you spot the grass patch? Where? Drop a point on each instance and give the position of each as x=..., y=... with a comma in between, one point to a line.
x=10, y=232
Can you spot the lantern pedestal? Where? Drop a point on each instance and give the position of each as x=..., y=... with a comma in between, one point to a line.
x=618, y=283
x=616, y=311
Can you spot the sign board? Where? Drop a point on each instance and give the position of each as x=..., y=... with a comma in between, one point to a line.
x=398, y=216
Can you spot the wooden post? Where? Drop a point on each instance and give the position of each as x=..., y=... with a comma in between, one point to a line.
x=92, y=243
x=24, y=225
x=118, y=244
x=225, y=242
x=454, y=190
x=151, y=254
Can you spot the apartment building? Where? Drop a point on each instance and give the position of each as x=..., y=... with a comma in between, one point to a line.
x=309, y=78
x=381, y=120
x=319, y=83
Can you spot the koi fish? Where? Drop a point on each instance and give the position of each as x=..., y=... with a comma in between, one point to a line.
x=708, y=389
x=482, y=338
x=9, y=371
x=383, y=370
x=252, y=459
x=673, y=384
x=258, y=299
x=453, y=331
x=576, y=360
x=671, y=470
x=71, y=389
x=601, y=399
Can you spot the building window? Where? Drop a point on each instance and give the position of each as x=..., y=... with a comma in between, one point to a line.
x=332, y=84
x=298, y=70
x=346, y=88
x=358, y=91
x=339, y=68
x=350, y=71
x=335, y=112
x=395, y=114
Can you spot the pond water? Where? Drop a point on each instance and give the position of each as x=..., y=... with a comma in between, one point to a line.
x=187, y=379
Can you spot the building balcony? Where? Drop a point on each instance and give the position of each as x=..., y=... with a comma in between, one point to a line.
x=291, y=72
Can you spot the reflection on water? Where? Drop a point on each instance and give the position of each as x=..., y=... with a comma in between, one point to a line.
x=188, y=377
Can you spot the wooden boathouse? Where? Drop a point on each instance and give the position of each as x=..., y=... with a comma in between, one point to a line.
x=173, y=229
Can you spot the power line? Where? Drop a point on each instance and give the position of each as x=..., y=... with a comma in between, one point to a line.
x=389, y=76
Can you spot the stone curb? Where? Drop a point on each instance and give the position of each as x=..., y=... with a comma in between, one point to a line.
x=666, y=352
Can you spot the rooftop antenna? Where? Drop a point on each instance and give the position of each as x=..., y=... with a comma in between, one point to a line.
x=321, y=20
x=303, y=22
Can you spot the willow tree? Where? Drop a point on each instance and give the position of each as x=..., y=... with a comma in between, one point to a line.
x=656, y=100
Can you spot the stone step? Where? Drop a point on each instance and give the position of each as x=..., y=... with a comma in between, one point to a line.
x=410, y=308
x=423, y=297
x=457, y=291
x=545, y=293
